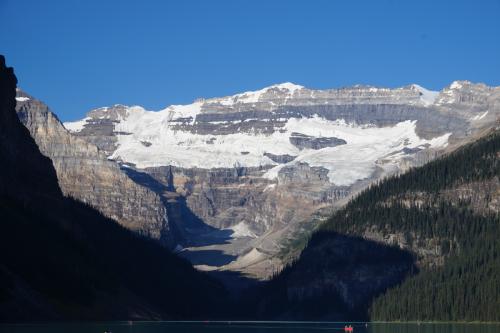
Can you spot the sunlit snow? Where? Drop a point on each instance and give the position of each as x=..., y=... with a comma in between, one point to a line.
x=427, y=97
x=480, y=116
x=171, y=144
x=345, y=163
x=76, y=126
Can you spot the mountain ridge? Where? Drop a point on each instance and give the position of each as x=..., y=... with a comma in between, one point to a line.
x=290, y=88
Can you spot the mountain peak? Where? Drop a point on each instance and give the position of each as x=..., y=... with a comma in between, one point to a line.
x=427, y=97
x=458, y=84
x=249, y=97
x=287, y=85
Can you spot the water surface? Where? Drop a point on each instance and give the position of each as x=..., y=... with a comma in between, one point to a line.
x=246, y=327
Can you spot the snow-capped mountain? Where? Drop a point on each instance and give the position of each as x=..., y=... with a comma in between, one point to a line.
x=257, y=166
x=220, y=133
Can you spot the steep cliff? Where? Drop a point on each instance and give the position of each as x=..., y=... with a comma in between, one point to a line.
x=84, y=173
x=24, y=172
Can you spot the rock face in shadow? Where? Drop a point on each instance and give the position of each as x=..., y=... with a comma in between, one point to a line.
x=24, y=172
x=84, y=173
x=303, y=141
x=354, y=268
x=285, y=158
x=335, y=279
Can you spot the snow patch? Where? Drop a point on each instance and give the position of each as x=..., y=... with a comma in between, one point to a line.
x=22, y=99
x=427, y=97
x=291, y=87
x=456, y=85
x=269, y=187
x=250, y=258
x=251, y=97
x=184, y=111
x=480, y=116
x=76, y=126
x=241, y=230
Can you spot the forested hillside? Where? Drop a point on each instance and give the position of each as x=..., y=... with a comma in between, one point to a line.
x=444, y=216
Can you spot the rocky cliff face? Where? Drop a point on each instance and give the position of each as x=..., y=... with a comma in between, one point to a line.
x=254, y=167
x=83, y=172
x=24, y=172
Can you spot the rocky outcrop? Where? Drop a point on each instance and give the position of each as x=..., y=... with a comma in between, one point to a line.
x=303, y=173
x=285, y=158
x=428, y=251
x=482, y=196
x=303, y=141
x=83, y=172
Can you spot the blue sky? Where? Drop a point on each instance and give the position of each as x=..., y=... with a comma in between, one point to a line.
x=78, y=55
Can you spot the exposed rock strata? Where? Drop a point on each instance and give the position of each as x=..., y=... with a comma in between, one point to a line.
x=83, y=172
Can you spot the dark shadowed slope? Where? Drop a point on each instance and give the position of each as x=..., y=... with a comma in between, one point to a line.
x=60, y=259
x=25, y=173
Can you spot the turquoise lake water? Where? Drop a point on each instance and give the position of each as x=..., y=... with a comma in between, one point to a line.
x=246, y=327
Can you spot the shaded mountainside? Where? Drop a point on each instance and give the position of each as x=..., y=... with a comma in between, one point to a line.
x=424, y=245
x=61, y=259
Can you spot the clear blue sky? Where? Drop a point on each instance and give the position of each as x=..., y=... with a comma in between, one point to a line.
x=77, y=55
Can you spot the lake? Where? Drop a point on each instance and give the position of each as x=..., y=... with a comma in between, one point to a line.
x=246, y=327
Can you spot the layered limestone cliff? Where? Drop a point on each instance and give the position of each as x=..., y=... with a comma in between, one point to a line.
x=84, y=172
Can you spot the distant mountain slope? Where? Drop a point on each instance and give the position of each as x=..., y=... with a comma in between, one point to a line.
x=61, y=259
x=272, y=161
x=430, y=236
